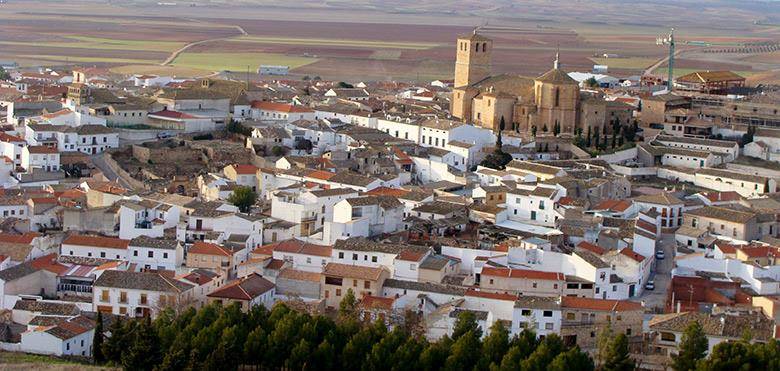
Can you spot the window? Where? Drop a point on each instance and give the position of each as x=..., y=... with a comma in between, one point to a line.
x=104, y=296
x=548, y=326
x=547, y=313
x=354, y=256
x=135, y=252
x=373, y=259
x=102, y=254
x=150, y=254
x=571, y=316
x=354, y=283
x=533, y=285
x=413, y=267
x=525, y=312
x=165, y=255
x=122, y=310
x=367, y=285
x=123, y=297
x=341, y=255
x=143, y=299
x=338, y=292
x=667, y=336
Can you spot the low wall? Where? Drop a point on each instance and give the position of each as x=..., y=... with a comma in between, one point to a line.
x=620, y=156
x=114, y=166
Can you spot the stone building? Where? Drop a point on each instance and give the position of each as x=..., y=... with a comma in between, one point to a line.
x=526, y=105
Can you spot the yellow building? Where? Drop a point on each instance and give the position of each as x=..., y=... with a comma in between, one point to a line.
x=526, y=105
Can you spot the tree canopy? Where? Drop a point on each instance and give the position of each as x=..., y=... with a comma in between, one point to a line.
x=217, y=337
x=243, y=198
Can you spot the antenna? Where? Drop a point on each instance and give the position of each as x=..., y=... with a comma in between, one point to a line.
x=669, y=40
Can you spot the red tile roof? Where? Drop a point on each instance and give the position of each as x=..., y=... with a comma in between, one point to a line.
x=42, y=149
x=26, y=238
x=206, y=248
x=245, y=169
x=632, y=254
x=295, y=246
x=172, y=114
x=596, y=249
x=353, y=271
x=722, y=196
x=387, y=191
x=650, y=227
x=280, y=107
x=49, y=263
x=491, y=295
x=5, y=137
x=411, y=255
x=599, y=304
x=613, y=205
x=246, y=288
x=377, y=302
x=96, y=241
x=320, y=174
x=522, y=273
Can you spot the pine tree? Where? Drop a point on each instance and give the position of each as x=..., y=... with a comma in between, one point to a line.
x=464, y=353
x=533, y=131
x=117, y=343
x=693, y=347
x=466, y=322
x=348, y=307
x=494, y=346
x=544, y=128
x=97, y=340
x=550, y=347
x=143, y=351
x=588, y=138
x=572, y=360
x=618, y=358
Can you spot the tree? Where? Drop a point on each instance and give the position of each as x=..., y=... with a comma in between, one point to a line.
x=97, y=340
x=143, y=352
x=348, y=307
x=4, y=75
x=467, y=321
x=533, y=131
x=243, y=198
x=693, y=347
x=588, y=138
x=592, y=82
x=550, y=347
x=748, y=136
x=617, y=357
x=117, y=343
x=556, y=128
x=465, y=352
x=344, y=85
x=277, y=151
x=494, y=346
x=573, y=359
x=544, y=128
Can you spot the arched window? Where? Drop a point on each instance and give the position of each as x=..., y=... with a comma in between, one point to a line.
x=476, y=47
x=557, y=96
x=484, y=47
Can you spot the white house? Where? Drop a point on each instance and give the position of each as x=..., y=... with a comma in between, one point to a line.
x=40, y=158
x=138, y=294
x=94, y=247
x=71, y=337
x=155, y=253
x=146, y=218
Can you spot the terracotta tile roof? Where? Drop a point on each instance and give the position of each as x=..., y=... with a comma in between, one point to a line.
x=759, y=251
x=663, y=198
x=280, y=107
x=299, y=275
x=411, y=255
x=172, y=114
x=599, y=304
x=377, y=302
x=596, y=249
x=491, y=295
x=387, y=191
x=265, y=249
x=353, y=271
x=710, y=77
x=650, y=227
x=107, y=187
x=49, y=263
x=722, y=196
x=296, y=246
x=206, y=248
x=5, y=137
x=613, y=205
x=275, y=264
x=140, y=281
x=96, y=241
x=61, y=112
x=25, y=238
x=522, y=273
x=246, y=288
x=320, y=174
x=245, y=169
x=632, y=254
x=726, y=248
x=200, y=276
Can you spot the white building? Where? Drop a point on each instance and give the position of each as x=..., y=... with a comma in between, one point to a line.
x=138, y=294
x=155, y=253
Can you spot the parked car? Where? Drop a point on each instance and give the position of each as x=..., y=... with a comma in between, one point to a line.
x=650, y=285
x=164, y=135
x=659, y=255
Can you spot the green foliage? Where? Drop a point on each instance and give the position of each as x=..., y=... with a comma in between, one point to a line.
x=97, y=340
x=243, y=198
x=224, y=338
x=592, y=83
x=344, y=85
x=748, y=136
x=498, y=159
x=348, y=307
x=207, y=136
x=277, y=151
x=239, y=128
x=467, y=321
x=693, y=347
x=617, y=357
x=4, y=75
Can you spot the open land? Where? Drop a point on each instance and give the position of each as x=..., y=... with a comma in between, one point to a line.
x=364, y=40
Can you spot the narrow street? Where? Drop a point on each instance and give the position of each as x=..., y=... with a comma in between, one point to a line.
x=101, y=164
x=661, y=274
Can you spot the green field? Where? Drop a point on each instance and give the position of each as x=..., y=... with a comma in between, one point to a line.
x=631, y=63
x=153, y=69
x=70, y=59
x=238, y=61
x=335, y=42
x=86, y=42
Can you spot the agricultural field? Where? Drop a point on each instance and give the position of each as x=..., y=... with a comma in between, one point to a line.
x=359, y=41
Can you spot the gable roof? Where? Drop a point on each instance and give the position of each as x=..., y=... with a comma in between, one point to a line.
x=206, y=248
x=96, y=241
x=140, y=281
x=246, y=288
x=352, y=271
x=522, y=273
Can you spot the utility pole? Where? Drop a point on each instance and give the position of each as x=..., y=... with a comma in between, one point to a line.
x=669, y=40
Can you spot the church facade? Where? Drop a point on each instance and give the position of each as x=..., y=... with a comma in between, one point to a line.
x=526, y=105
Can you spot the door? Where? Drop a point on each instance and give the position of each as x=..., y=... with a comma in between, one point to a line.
x=630, y=291
x=199, y=224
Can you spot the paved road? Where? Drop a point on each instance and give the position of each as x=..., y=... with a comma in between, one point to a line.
x=176, y=53
x=661, y=274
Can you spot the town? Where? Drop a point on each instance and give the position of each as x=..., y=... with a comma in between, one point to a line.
x=638, y=215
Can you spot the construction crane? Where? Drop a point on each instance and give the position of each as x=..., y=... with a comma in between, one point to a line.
x=669, y=40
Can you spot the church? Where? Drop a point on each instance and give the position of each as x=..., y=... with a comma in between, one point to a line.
x=527, y=105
